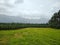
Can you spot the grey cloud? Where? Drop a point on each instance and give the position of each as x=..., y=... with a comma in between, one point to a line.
x=30, y=8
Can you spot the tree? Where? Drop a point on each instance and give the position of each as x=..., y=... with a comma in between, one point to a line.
x=54, y=22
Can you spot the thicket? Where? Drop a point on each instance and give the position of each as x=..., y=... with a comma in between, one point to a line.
x=9, y=26
x=54, y=22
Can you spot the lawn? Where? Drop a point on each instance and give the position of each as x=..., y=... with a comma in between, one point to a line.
x=30, y=36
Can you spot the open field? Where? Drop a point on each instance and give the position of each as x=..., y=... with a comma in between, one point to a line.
x=30, y=36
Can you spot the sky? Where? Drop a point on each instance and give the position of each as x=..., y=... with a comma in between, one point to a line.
x=30, y=9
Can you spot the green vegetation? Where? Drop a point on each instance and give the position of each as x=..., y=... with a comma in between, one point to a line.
x=30, y=36
x=55, y=20
x=11, y=26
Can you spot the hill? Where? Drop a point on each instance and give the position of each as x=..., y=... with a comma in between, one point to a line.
x=18, y=19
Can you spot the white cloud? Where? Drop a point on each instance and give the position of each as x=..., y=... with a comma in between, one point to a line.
x=56, y=5
x=31, y=17
x=31, y=7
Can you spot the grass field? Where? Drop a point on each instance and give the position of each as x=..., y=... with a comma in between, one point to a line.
x=30, y=36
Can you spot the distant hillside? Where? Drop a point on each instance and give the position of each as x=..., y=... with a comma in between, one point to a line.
x=17, y=19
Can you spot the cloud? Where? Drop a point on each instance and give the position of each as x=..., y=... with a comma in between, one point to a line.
x=18, y=1
x=30, y=7
x=27, y=17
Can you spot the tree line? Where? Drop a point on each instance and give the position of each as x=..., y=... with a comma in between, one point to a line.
x=54, y=22
x=8, y=26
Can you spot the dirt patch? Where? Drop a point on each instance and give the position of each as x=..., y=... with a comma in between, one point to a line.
x=18, y=35
x=3, y=41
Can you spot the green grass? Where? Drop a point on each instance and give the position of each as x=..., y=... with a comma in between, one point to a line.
x=30, y=36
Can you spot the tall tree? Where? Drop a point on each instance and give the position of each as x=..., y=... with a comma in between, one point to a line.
x=55, y=20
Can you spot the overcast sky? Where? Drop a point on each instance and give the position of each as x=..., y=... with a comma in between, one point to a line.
x=29, y=8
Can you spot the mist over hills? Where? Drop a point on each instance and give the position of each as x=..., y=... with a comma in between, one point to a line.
x=18, y=19
x=27, y=8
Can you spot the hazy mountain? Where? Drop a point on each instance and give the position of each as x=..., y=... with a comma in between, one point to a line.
x=10, y=19
x=17, y=19
x=4, y=18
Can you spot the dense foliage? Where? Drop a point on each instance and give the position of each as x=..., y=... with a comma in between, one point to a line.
x=55, y=20
x=7, y=26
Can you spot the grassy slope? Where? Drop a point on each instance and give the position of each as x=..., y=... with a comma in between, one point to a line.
x=30, y=36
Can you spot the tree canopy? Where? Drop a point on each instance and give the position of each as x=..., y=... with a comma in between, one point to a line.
x=54, y=22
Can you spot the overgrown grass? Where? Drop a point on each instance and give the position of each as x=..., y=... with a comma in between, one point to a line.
x=30, y=36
